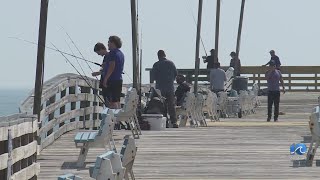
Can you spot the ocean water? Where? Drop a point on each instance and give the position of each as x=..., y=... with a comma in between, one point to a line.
x=10, y=100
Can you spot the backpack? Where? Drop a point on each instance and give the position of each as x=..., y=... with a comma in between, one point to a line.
x=155, y=103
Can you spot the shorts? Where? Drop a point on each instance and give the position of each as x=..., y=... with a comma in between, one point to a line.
x=113, y=91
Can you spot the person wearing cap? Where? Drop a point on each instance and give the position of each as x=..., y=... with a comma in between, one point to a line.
x=274, y=78
x=274, y=58
x=235, y=63
x=210, y=59
x=217, y=78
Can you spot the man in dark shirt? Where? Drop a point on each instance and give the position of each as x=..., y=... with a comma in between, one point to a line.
x=235, y=63
x=164, y=73
x=113, y=71
x=210, y=59
x=182, y=89
x=275, y=59
x=274, y=77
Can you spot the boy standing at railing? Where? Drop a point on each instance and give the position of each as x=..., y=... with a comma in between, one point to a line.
x=101, y=50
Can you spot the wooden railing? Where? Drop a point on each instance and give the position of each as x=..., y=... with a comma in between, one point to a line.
x=18, y=147
x=296, y=78
x=68, y=103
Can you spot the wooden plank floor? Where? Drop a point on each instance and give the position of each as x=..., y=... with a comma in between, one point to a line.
x=247, y=148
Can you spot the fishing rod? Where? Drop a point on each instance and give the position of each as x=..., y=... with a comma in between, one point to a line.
x=77, y=49
x=124, y=72
x=194, y=20
x=76, y=59
x=65, y=53
x=86, y=80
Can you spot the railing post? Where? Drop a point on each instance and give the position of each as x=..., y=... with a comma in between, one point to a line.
x=316, y=81
x=254, y=78
x=259, y=80
x=189, y=78
x=9, y=168
x=289, y=81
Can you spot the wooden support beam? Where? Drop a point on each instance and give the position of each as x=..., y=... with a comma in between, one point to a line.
x=240, y=27
x=217, y=31
x=40, y=57
x=135, y=62
x=197, y=59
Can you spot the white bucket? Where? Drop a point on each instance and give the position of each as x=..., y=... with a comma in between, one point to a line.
x=157, y=121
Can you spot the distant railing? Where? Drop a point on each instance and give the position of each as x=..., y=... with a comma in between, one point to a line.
x=296, y=78
x=18, y=147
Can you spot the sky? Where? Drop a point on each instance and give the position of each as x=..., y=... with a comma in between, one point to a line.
x=288, y=26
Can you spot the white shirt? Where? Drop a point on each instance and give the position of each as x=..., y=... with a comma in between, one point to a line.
x=217, y=79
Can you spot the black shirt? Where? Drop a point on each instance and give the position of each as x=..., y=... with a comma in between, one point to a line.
x=182, y=89
x=164, y=73
x=236, y=64
x=276, y=60
x=210, y=61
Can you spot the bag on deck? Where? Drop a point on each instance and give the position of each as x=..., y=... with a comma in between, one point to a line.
x=155, y=103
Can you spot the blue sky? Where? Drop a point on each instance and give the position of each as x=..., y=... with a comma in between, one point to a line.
x=288, y=26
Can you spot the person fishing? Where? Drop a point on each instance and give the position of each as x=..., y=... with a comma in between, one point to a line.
x=101, y=50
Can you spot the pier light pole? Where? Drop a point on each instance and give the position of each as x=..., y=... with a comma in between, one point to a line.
x=240, y=27
x=40, y=57
x=197, y=59
x=217, y=31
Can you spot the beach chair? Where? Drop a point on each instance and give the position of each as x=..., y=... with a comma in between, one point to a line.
x=198, y=110
x=222, y=103
x=128, y=113
x=229, y=76
x=255, y=89
x=128, y=155
x=111, y=165
x=314, y=125
x=186, y=111
x=69, y=177
x=101, y=138
x=108, y=166
x=210, y=105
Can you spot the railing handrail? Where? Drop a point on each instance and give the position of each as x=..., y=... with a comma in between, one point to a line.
x=291, y=74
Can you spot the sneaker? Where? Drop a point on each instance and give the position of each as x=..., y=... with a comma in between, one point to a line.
x=175, y=126
x=275, y=120
x=268, y=120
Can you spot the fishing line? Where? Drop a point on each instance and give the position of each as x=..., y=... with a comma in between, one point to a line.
x=194, y=20
x=74, y=44
x=102, y=100
x=76, y=58
x=65, y=53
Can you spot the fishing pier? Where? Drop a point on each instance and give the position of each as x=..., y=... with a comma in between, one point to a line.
x=233, y=148
x=220, y=135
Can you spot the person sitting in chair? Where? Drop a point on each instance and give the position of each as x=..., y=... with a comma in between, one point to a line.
x=182, y=89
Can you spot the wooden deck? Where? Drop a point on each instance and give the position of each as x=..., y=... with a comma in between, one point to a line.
x=248, y=148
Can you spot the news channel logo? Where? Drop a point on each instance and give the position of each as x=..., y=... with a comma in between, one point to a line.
x=299, y=149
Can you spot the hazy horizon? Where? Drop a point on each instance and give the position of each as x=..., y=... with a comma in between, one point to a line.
x=287, y=26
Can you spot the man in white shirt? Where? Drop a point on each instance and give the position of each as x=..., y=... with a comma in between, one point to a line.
x=217, y=78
